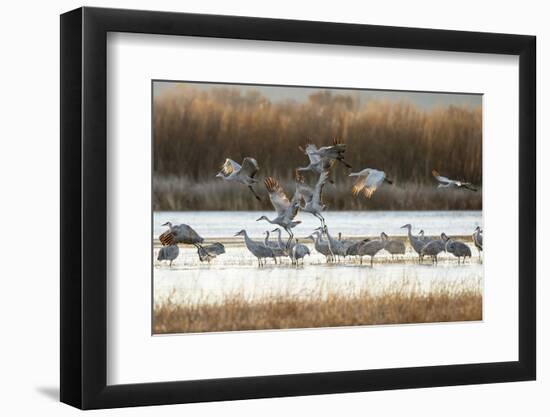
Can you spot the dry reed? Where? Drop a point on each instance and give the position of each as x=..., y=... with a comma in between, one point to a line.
x=396, y=305
x=194, y=131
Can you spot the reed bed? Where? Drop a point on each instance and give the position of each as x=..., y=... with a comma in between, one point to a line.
x=402, y=303
x=195, y=130
x=174, y=193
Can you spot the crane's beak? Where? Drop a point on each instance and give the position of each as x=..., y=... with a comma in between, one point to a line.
x=165, y=224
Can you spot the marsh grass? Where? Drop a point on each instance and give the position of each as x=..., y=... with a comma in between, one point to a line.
x=195, y=130
x=173, y=193
x=401, y=303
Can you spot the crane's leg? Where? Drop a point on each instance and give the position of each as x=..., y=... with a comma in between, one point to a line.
x=254, y=192
x=322, y=219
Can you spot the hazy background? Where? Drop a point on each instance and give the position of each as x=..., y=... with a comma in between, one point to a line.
x=407, y=134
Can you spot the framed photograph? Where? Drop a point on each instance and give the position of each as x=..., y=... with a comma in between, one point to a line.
x=257, y=208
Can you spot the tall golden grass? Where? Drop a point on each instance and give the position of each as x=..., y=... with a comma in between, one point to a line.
x=195, y=130
x=396, y=305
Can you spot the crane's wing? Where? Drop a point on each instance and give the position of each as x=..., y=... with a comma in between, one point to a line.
x=469, y=186
x=277, y=196
x=215, y=248
x=250, y=167
x=310, y=151
x=229, y=166
x=442, y=179
x=368, y=184
x=167, y=238
x=318, y=194
x=359, y=185
x=193, y=234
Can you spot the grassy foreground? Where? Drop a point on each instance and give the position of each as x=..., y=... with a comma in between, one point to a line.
x=443, y=303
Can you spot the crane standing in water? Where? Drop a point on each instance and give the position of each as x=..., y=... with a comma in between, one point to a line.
x=259, y=250
x=416, y=243
x=478, y=240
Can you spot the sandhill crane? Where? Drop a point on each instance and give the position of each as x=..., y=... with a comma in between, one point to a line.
x=316, y=163
x=281, y=245
x=435, y=247
x=168, y=253
x=354, y=248
x=208, y=252
x=298, y=252
x=346, y=242
x=286, y=209
x=458, y=249
x=368, y=182
x=321, y=246
x=393, y=246
x=337, y=247
x=334, y=152
x=416, y=243
x=478, y=240
x=259, y=250
x=445, y=182
x=423, y=238
x=243, y=174
x=312, y=198
x=181, y=233
x=370, y=248
x=278, y=251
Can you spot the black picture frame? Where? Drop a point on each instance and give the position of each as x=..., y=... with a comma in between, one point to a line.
x=84, y=207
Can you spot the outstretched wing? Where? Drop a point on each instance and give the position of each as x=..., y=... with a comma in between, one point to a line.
x=277, y=196
x=358, y=186
x=469, y=186
x=368, y=184
x=250, y=167
x=167, y=238
x=310, y=151
x=442, y=179
x=229, y=166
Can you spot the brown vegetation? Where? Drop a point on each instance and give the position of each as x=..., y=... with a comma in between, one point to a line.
x=195, y=130
x=181, y=193
x=398, y=305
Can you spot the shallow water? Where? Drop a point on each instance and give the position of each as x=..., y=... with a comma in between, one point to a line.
x=237, y=272
x=349, y=223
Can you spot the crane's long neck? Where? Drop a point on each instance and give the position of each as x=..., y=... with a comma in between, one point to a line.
x=266, y=238
x=247, y=240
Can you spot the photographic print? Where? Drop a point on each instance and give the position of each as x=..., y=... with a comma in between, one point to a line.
x=290, y=207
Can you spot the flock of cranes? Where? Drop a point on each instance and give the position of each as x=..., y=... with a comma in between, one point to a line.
x=309, y=199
